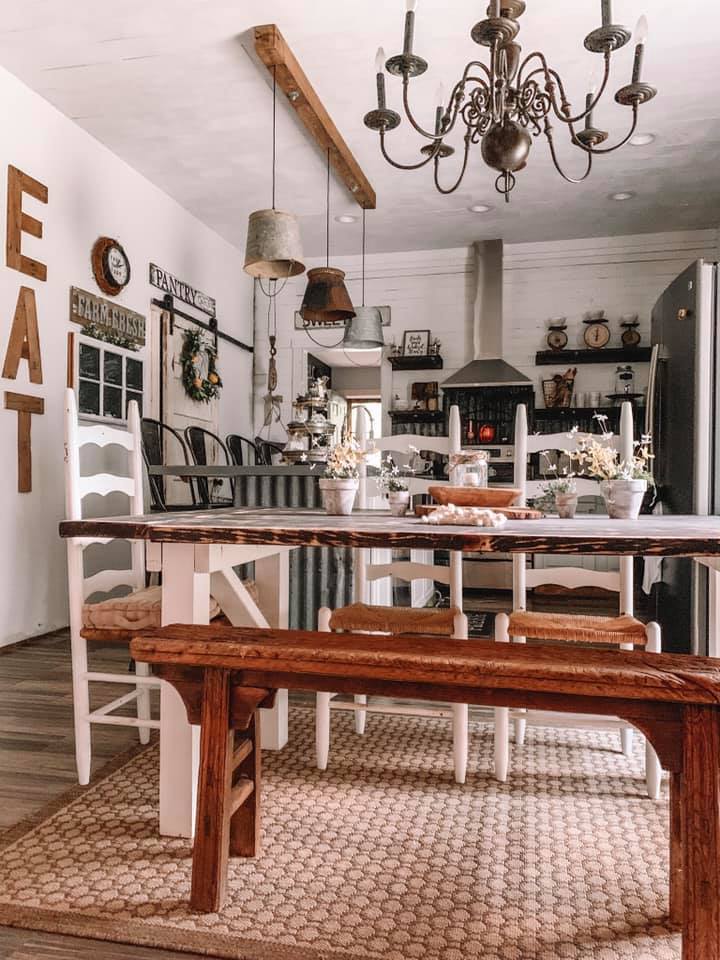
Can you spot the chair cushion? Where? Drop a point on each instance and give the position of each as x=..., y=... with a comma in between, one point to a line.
x=137, y=611
x=574, y=627
x=417, y=621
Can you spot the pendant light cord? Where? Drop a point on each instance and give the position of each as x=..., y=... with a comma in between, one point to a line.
x=274, y=122
x=363, y=258
x=327, y=214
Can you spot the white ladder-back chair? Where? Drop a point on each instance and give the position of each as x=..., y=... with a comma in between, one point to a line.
x=377, y=568
x=624, y=631
x=77, y=488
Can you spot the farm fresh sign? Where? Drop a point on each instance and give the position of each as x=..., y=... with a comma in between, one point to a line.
x=112, y=318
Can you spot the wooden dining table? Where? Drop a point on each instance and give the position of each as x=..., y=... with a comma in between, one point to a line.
x=196, y=548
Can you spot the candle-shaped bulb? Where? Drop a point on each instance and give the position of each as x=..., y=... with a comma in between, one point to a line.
x=440, y=95
x=409, y=27
x=593, y=85
x=641, y=30
x=380, y=77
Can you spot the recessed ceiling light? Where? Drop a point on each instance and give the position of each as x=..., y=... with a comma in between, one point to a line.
x=623, y=195
x=480, y=208
x=642, y=139
x=346, y=218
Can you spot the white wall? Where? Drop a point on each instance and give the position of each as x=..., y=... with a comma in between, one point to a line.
x=91, y=193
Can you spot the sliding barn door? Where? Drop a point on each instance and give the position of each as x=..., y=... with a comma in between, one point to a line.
x=180, y=411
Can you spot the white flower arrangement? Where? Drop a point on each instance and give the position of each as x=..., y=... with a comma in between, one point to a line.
x=390, y=479
x=344, y=460
x=599, y=460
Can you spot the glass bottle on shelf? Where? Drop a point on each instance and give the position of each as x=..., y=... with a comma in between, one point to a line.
x=470, y=433
x=624, y=380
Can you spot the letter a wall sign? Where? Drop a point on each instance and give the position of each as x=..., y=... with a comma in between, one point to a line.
x=24, y=339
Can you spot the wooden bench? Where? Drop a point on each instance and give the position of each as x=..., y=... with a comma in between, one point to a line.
x=225, y=673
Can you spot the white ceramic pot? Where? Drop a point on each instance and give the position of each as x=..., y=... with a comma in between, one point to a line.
x=398, y=501
x=623, y=498
x=338, y=496
x=566, y=505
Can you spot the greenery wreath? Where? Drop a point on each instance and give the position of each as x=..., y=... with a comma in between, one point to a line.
x=199, y=385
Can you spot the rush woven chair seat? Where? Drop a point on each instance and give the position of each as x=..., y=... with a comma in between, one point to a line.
x=397, y=621
x=448, y=623
x=576, y=627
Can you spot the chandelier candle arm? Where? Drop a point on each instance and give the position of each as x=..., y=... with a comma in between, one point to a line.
x=457, y=183
x=597, y=153
x=433, y=151
x=553, y=79
x=606, y=12
x=551, y=143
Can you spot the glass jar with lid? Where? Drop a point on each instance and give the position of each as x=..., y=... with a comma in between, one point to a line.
x=469, y=469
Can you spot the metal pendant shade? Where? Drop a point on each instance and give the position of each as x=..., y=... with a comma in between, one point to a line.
x=273, y=250
x=326, y=298
x=364, y=331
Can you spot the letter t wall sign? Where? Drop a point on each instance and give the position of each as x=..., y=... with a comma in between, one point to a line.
x=24, y=339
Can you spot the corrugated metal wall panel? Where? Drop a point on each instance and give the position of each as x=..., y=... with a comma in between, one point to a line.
x=319, y=576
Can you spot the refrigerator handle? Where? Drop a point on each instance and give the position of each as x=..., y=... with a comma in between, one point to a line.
x=651, y=390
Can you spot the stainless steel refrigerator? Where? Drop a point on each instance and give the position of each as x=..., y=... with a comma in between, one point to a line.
x=682, y=416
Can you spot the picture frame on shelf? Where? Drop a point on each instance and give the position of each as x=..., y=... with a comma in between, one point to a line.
x=416, y=343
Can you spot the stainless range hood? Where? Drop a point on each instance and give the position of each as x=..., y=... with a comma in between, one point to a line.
x=488, y=369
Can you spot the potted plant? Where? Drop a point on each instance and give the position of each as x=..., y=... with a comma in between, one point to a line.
x=395, y=486
x=560, y=492
x=339, y=485
x=623, y=483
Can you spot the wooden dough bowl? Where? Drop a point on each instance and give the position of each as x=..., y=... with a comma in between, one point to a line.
x=475, y=496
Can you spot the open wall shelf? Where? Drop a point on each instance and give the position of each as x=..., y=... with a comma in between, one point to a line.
x=431, y=361
x=551, y=358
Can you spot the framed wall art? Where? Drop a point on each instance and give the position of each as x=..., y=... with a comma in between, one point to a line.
x=416, y=343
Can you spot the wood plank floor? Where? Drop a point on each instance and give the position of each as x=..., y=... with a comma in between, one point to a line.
x=37, y=764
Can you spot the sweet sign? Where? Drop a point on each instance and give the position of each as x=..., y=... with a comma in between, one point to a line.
x=86, y=309
x=183, y=291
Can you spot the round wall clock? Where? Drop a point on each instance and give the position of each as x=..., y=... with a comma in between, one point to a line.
x=597, y=334
x=110, y=265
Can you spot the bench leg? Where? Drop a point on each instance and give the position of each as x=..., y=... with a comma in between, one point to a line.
x=245, y=821
x=677, y=851
x=701, y=813
x=212, y=834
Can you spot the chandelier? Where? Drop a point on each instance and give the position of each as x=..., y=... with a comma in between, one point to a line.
x=504, y=105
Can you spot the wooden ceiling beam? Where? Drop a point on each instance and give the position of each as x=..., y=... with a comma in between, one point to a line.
x=273, y=50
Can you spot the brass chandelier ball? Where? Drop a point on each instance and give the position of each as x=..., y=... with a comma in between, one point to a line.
x=506, y=146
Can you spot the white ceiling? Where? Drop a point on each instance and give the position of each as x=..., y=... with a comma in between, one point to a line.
x=168, y=86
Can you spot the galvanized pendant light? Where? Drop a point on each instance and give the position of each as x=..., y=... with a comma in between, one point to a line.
x=273, y=250
x=364, y=331
x=326, y=298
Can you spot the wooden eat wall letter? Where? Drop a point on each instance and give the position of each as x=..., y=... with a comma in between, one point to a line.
x=19, y=222
x=24, y=342
x=25, y=407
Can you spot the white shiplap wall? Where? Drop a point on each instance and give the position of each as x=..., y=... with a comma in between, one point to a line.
x=435, y=289
x=567, y=278
x=427, y=289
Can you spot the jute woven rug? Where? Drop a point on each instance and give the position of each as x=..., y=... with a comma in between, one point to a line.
x=383, y=857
